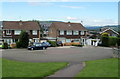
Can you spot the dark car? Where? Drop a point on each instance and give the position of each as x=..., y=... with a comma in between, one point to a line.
x=46, y=43
x=37, y=46
x=59, y=43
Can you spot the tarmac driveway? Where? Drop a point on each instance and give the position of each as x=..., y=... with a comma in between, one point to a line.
x=74, y=54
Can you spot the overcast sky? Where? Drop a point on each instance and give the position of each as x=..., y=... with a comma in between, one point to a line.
x=91, y=13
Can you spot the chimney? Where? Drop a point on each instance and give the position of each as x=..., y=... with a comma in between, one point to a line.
x=69, y=23
x=20, y=23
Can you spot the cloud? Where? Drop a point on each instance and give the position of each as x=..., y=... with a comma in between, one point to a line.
x=73, y=7
x=40, y=3
x=99, y=22
x=72, y=18
x=59, y=0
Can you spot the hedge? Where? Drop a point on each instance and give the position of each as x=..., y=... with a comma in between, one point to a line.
x=105, y=41
x=5, y=46
x=53, y=43
x=113, y=41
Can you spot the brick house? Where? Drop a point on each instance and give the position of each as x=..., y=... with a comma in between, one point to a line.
x=12, y=30
x=67, y=32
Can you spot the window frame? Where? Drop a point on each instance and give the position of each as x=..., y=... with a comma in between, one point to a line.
x=15, y=32
x=8, y=32
x=82, y=33
x=74, y=32
x=34, y=32
x=69, y=32
x=63, y=32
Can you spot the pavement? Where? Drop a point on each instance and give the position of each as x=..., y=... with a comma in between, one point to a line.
x=74, y=55
x=70, y=71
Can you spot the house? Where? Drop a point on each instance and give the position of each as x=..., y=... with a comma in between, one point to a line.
x=111, y=32
x=67, y=32
x=45, y=25
x=12, y=30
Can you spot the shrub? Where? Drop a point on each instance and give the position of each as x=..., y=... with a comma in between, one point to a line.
x=24, y=40
x=53, y=43
x=105, y=41
x=77, y=45
x=18, y=44
x=118, y=41
x=112, y=41
x=5, y=46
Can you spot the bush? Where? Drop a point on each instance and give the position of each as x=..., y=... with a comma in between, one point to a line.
x=18, y=44
x=118, y=41
x=77, y=45
x=53, y=43
x=24, y=39
x=112, y=41
x=5, y=46
x=105, y=41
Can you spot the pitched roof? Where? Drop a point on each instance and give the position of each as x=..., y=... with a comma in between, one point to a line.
x=109, y=29
x=21, y=25
x=68, y=26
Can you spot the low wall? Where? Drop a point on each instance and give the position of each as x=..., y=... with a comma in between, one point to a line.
x=116, y=53
x=70, y=44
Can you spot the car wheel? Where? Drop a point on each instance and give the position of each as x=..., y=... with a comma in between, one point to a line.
x=44, y=48
x=32, y=48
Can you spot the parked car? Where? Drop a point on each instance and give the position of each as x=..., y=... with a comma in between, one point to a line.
x=59, y=43
x=37, y=46
x=47, y=43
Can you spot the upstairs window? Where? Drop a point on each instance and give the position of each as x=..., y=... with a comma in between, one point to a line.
x=17, y=32
x=61, y=32
x=69, y=32
x=8, y=32
x=76, y=32
x=34, y=32
x=82, y=32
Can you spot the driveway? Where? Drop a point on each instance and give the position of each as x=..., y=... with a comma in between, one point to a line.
x=73, y=54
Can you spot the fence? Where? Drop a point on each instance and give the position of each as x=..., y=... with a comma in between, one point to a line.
x=116, y=53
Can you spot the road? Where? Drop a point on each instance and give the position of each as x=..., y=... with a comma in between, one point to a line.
x=73, y=54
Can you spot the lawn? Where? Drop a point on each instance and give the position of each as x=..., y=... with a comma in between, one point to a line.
x=12, y=68
x=100, y=68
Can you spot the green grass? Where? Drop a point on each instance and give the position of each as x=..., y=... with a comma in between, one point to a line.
x=100, y=68
x=0, y=67
x=26, y=69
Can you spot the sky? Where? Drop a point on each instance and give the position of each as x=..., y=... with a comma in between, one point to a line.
x=89, y=13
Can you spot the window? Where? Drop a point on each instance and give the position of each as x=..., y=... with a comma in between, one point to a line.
x=75, y=32
x=17, y=32
x=34, y=32
x=61, y=32
x=68, y=40
x=69, y=32
x=8, y=32
x=82, y=33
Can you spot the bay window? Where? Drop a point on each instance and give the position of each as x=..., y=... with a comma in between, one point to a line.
x=8, y=32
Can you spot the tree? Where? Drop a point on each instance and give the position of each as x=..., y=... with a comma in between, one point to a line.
x=105, y=39
x=23, y=40
x=118, y=40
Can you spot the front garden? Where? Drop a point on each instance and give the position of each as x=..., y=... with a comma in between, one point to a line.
x=12, y=68
x=100, y=68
